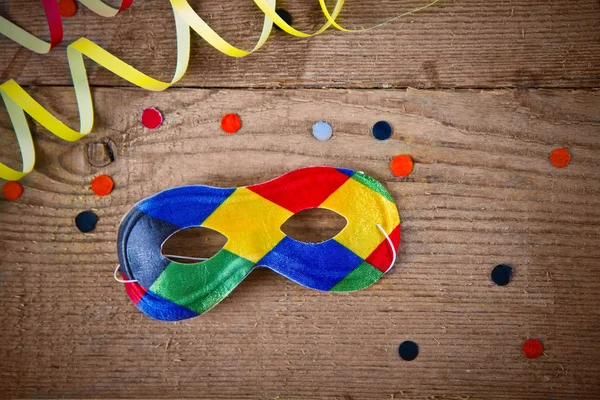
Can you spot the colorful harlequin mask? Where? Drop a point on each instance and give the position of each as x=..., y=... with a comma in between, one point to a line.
x=251, y=218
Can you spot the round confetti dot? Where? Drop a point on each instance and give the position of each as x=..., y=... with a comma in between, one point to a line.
x=501, y=274
x=86, y=221
x=560, y=158
x=12, y=190
x=322, y=131
x=285, y=15
x=401, y=165
x=151, y=118
x=408, y=350
x=382, y=130
x=102, y=185
x=533, y=348
x=67, y=8
x=231, y=123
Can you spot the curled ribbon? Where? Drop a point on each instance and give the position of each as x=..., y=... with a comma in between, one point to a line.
x=18, y=101
x=55, y=27
x=26, y=39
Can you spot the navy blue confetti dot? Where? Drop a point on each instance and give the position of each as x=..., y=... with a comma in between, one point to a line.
x=408, y=350
x=285, y=15
x=501, y=274
x=382, y=130
x=86, y=221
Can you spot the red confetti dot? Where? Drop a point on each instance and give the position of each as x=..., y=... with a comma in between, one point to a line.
x=231, y=123
x=12, y=190
x=533, y=348
x=67, y=8
x=560, y=158
x=401, y=165
x=151, y=118
x=102, y=185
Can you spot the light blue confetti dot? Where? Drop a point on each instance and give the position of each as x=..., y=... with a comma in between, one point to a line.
x=322, y=131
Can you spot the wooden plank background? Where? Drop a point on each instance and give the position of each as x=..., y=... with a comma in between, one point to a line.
x=482, y=193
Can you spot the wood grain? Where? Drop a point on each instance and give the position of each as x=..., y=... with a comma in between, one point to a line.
x=482, y=193
x=458, y=44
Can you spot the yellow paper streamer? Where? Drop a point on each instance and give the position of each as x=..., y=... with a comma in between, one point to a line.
x=18, y=101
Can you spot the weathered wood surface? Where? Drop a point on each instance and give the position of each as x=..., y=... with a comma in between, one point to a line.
x=459, y=43
x=482, y=193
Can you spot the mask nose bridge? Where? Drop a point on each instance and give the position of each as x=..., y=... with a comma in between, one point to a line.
x=250, y=222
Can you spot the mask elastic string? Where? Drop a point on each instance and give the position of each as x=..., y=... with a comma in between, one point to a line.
x=122, y=280
x=165, y=255
x=391, y=247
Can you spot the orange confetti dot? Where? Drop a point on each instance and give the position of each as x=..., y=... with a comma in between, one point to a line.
x=560, y=157
x=102, y=185
x=533, y=348
x=401, y=165
x=67, y=8
x=12, y=190
x=231, y=123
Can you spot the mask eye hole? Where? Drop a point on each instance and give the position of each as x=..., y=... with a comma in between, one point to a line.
x=191, y=245
x=314, y=225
